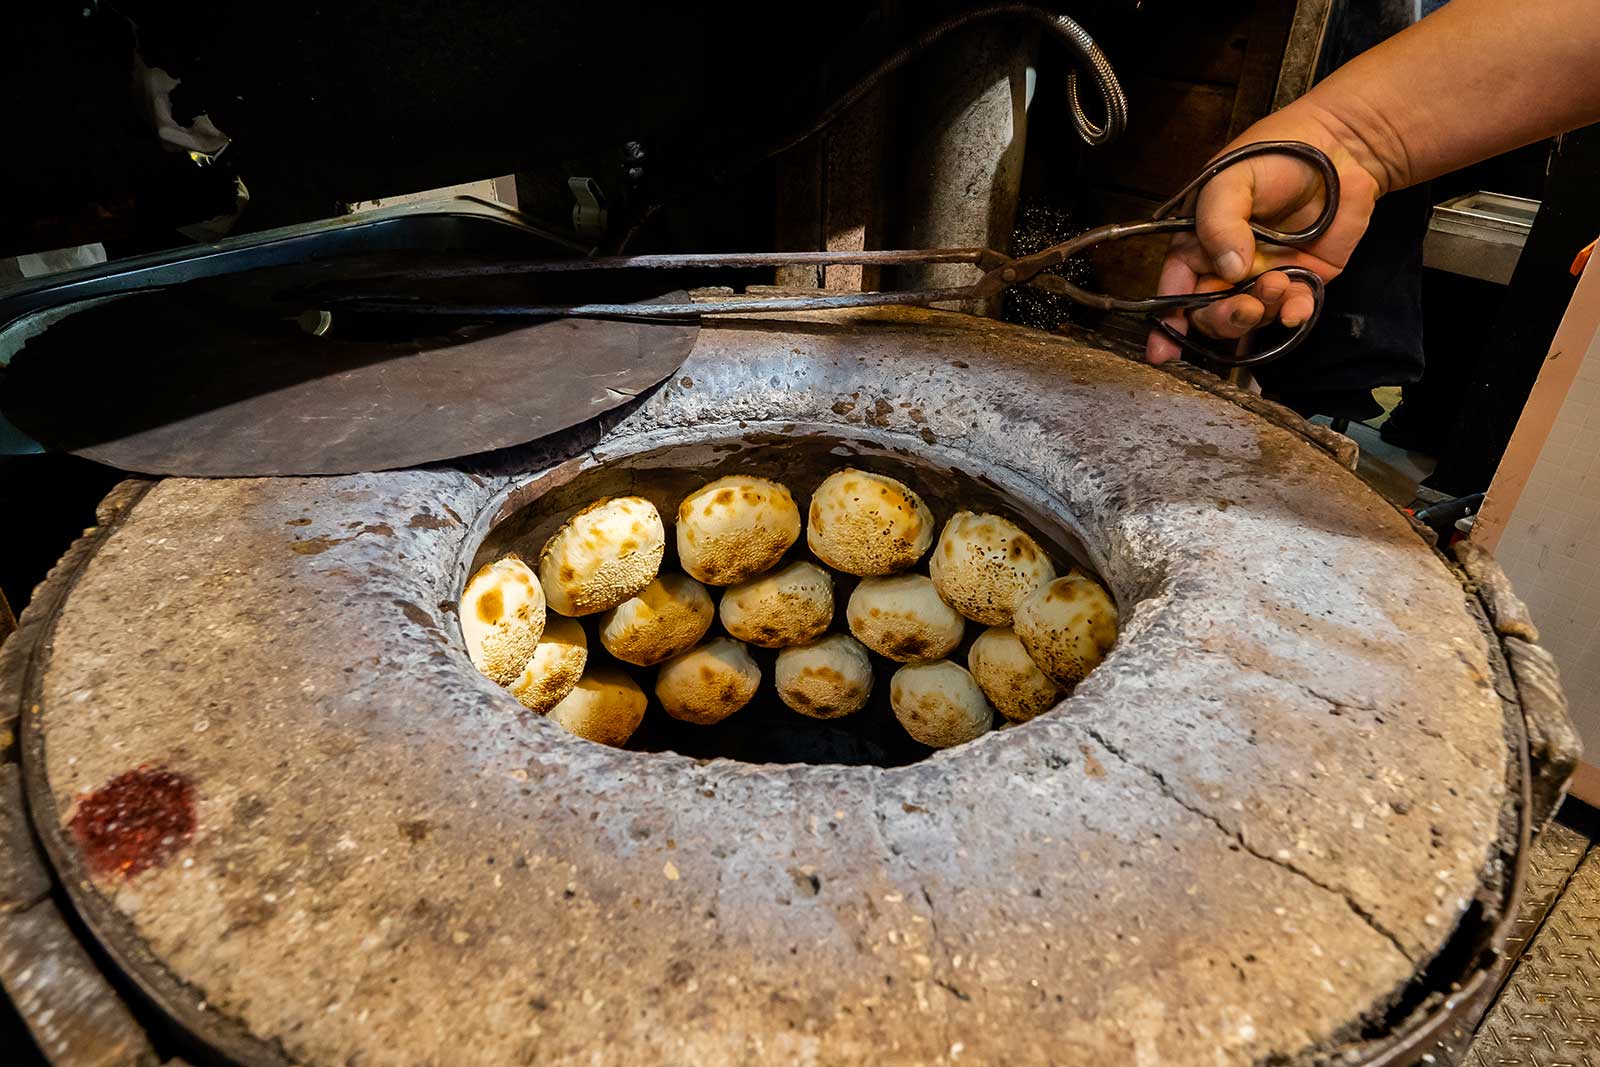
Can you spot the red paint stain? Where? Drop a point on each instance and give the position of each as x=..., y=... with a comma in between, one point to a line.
x=134, y=822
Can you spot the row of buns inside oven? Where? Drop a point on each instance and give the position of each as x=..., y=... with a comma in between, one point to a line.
x=1045, y=631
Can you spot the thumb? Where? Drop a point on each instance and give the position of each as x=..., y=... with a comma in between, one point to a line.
x=1222, y=222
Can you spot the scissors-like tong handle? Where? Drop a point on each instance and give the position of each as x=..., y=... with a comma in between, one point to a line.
x=1000, y=271
x=1166, y=221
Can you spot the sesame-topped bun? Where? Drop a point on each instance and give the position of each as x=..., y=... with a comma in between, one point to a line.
x=604, y=554
x=790, y=606
x=867, y=524
x=1067, y=627
x=502, y=616
x=939, y=704
x=735, y=528
x=668, y=616
x=984, y=565
x=1005, y=672
x=824, y=679
x=605, y=706
x=556, y=666
x=902, y=617
x=707, y=684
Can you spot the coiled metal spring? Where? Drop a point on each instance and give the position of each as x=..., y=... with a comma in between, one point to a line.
x=1091, y=60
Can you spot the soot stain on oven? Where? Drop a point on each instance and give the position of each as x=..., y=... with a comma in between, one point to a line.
x=766, y=729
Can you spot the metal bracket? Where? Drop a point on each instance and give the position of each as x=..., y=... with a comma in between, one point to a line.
x=589, y=213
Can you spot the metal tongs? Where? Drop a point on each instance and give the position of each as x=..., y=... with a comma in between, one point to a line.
x=1000, y=271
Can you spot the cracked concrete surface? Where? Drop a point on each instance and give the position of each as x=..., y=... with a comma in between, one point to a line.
x=1237, y=835
x=1236, y=842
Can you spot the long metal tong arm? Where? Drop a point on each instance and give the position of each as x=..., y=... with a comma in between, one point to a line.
x=999, y=271
x=824, y=301
x=984, y=258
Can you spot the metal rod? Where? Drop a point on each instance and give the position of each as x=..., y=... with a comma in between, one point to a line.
x=691, y=260
x=748, y=306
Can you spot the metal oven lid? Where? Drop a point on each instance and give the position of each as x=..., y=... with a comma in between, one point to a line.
x=195, y=363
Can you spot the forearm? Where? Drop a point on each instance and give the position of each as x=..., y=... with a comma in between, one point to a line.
x=1477, y=78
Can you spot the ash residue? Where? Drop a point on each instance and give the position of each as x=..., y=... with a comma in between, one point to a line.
x=1041, y=224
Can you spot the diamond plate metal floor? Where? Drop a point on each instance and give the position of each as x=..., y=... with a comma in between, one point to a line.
x=1547, y=1013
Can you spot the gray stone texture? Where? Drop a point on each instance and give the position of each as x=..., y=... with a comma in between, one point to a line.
x=1239, y=839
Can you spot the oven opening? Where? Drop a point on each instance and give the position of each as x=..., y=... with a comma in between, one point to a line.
x=783, y=597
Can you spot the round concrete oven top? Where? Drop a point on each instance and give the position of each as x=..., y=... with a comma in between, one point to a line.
x=1240, y=840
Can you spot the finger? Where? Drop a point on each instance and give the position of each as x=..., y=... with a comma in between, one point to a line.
x=1177, y=277
x=1227, y=317
x=1271, y=289
x=1222, y=222
x=1187, y=247
x=1159, y=348
x=1298, y=306
x=1231, y=318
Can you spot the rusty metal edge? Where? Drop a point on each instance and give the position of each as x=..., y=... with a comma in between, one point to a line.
x=1554, y=746
x=97, y=999
x=59, y=991
x=224, y=1038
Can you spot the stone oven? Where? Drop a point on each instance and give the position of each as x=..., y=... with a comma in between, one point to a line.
x=277, y=816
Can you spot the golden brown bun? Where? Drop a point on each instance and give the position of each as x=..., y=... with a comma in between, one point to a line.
x=605, y=706
x=867, y=524
x=735, y=528
x=825, y=679
x=984, y=565
x=604, y=554
x=502, y=616
x=939, y=704
x=1067, y=627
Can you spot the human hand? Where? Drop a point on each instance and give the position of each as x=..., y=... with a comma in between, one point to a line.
x=1284, y=193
